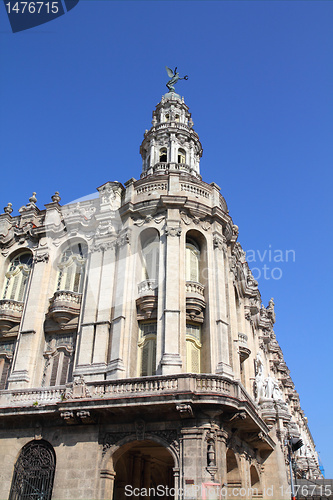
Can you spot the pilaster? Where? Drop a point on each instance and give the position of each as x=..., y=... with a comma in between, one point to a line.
x=33, y=316
x=221, y=340
x=171, y=361
x=123, y=279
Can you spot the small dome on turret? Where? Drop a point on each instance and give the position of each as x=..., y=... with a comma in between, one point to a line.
x=171, y=143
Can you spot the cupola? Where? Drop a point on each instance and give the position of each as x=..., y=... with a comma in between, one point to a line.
x=171, y=144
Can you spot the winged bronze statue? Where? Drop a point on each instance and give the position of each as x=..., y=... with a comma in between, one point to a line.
x=174, y=77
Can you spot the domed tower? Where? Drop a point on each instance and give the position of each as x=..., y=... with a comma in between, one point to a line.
x=171, y=144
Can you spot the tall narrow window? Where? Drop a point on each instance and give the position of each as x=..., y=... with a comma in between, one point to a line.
x=147, y=348
x=163, y=155
x=193, y=348
x=6, y=358
x=72, y=268
x=34, y=472
x=17, y=277
x=192, y=261
x=181, y=156
x=58, y=355
x=150, y=253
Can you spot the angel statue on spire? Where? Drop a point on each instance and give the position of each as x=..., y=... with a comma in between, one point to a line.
x=174, y=77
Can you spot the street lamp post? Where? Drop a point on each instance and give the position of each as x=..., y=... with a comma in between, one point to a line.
x=293, y=445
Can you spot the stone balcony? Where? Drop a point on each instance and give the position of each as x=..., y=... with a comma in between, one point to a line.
x=147, y=298
x=64, y=306
x=172, y=394
x=195, y=301
x=243, y=348
x=10, y=314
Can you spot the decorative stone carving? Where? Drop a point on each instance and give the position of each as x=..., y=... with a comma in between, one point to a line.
x=42, y=257
x=112, y=438
x=56, y=198
x=220, y=242
x=102, y=246
x=173, y=231
x=158, y=218
x=140, y=427
x=185, y=410
x=169, y=435
x=30, y=205
x=78, y=390
x=188, y=218
x=8, y=209
x=123, y=239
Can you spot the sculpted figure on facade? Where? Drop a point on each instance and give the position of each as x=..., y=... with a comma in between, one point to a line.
x=272, y=389
x=259, y=379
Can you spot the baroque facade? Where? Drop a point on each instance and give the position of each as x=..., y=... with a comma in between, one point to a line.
x=135, y=351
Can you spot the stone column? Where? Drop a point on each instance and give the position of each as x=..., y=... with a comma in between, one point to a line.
x=173, y=155
x=33, y=317
x=121, y=307
x=102, y=333
x=153, y=160
x=171, y=360
x=89, y=312
x=137, y=460
x=222, y=320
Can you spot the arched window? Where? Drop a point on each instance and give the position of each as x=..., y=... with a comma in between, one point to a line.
x=147, y=348
x=17, y=277
x=233, y=475
x=177, y=118
x=256, y=490
x=150, y=254
x=34, y=472
x=58, y=355
x=192, y=261
x=193, y=348
x=72, y=268
x=163, y=155
x=181, y=156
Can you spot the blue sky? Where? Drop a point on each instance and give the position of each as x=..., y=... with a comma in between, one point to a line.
x=77, y=95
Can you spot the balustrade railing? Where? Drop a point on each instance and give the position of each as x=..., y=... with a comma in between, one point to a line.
x=147, y=286
x=194, y=287
x=201, y=384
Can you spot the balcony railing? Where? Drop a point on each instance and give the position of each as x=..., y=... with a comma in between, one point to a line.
x=195, y=302
x=243, y=347
x=194, y=287
x=158, y=385
x=147, y=287
x=64, y=306
x=10, y=314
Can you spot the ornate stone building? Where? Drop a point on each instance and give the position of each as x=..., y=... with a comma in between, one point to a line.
x=135, y=351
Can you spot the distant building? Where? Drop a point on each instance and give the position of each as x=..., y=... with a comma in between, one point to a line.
x=135, y=351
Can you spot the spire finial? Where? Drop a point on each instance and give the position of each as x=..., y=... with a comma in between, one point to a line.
x=8, y=209
x=56, y=198
x=33, y=198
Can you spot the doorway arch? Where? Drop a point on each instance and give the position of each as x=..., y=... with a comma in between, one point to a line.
x=143, y=470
